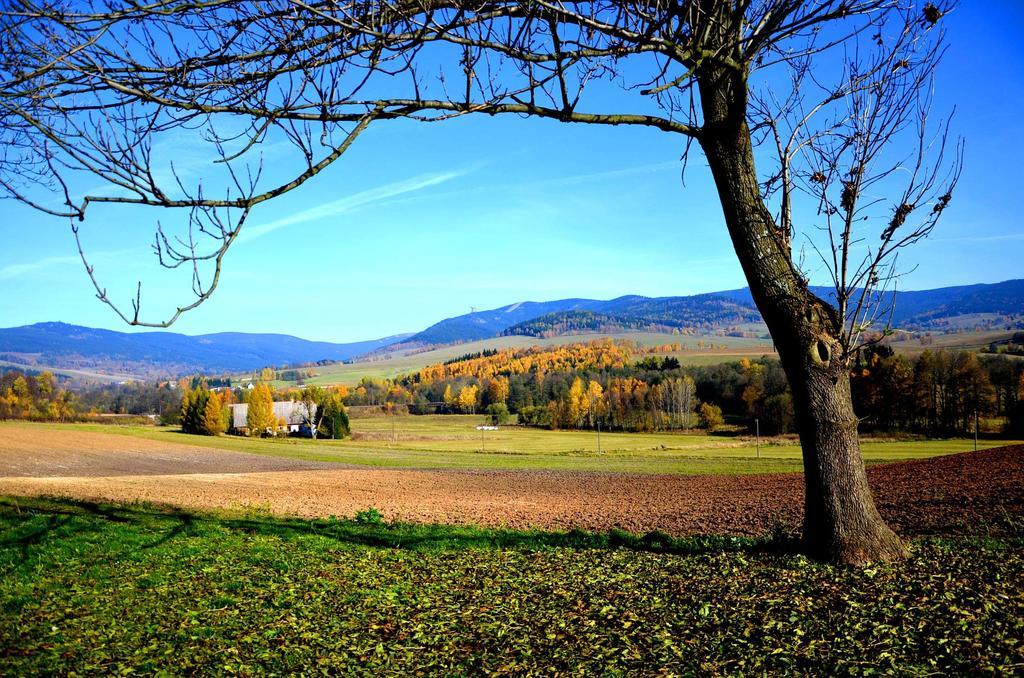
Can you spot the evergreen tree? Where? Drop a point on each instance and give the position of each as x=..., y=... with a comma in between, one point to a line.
x=193, y=406
x=335, y=421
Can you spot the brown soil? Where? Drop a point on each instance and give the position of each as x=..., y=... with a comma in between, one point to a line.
x=38, y=451
x=966, y=493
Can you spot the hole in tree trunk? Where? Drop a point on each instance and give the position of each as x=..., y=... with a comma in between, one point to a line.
x=823, y=352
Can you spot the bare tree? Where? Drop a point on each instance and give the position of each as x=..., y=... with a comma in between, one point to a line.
x=831, y=96
x=312, y=408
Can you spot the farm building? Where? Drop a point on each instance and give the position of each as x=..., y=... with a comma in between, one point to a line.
x=293, y=414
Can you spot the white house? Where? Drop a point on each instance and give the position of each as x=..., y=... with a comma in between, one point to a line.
x=293, y=413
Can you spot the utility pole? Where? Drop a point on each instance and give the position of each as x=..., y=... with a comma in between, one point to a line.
x=757, y=432
x=975, y=430
x=481, y=441
x=599, y=436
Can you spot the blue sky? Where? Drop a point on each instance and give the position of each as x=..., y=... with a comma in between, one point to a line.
x=420, y=222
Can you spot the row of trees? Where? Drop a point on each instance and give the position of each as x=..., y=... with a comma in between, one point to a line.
x=38, y=398
x=203, y=411
x=322, y=411
x=653, y=393
x=936, y=393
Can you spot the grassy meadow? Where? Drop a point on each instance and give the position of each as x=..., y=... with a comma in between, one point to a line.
x=452, y=441
x=109, y=589
x=968, y=340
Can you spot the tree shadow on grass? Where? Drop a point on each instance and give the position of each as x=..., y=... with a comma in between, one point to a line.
x=173, y=523
x=35, y=536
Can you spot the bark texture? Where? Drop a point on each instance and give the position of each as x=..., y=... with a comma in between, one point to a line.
x=841, y=523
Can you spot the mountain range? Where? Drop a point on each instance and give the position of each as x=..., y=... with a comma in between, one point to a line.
x=936, y=309
x=159, y=354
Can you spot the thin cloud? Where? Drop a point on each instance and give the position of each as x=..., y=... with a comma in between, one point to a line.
x=980, y=238
x=614, y=174
x=490, y=189
x=16, y=270
x=354, y=201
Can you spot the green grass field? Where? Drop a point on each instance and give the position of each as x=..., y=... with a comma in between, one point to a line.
x=452, y=441
x=399, y=363
x=112, y=590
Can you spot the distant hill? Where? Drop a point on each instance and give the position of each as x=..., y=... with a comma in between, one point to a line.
x=966, y=306
x=486, y=324
x=159, y=354
x=927, y=309
x=702, y=312
x=937, y=308
x=153, y=354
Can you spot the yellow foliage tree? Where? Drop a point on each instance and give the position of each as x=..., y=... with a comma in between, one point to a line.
x=497, y=390
x=260, y=417
x=710, y=416
x=213, y=416
x=467, y=398
x=595, y=402
x=576, y=404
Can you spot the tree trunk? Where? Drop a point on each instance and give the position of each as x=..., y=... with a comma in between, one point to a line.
x=841, y=523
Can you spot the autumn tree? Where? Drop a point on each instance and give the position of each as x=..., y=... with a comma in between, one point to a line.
x=679, y=399
x=595, y=403
x=467, y=398
x=213, y=423
x=449, y=399
x=260, y=419
x=497, y=390
x=576, y=403
x=831, y=96
x=710, y=416
x=40, y=397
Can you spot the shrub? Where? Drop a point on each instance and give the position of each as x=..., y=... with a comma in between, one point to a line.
x=710, y=416
x=535, y=416
x=370, y=516
x=498, y=413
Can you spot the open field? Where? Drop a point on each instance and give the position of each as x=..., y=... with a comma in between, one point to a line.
x=28, y=450
x=488, y=571
x=949, y=494
x=82, y=375
x=91, y=464
x=452, y=442
x=400, y=363
x=955, y=341
x=103, y=589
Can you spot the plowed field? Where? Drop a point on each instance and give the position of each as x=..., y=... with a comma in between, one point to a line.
x=965, y=493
